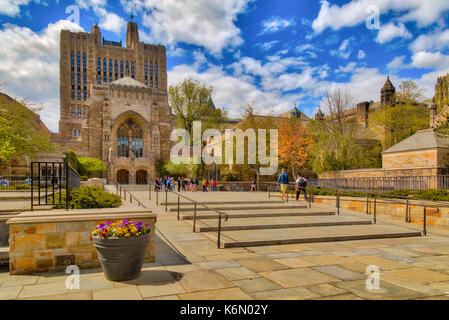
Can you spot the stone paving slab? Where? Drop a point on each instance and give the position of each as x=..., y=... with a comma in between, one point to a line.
x=300, y=277
x=286, y=294
x=220, y=294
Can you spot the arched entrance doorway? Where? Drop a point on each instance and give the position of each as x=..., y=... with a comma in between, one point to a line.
x=123, y=176
x=141, y=177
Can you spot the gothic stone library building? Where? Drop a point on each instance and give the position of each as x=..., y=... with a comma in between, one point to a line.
x=114, y=103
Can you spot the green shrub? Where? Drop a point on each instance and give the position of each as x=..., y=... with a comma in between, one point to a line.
x=90, y=197
x=84, y=178
x=230, y=175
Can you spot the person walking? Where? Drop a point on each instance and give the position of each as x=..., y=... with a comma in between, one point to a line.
x=204, y=184
x=179, y=182
x=301, y=185
x=283, y=181
x=214, y=185
x=253, y=185
x=195, y=184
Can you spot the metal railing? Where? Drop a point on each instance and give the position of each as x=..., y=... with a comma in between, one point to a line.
x=49, y=180
x=161, y=188
x=119, y=188
x=374, y=198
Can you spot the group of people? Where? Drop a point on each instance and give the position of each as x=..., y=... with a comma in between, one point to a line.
x=300, y=184
x=4, y=182
x=185, y=184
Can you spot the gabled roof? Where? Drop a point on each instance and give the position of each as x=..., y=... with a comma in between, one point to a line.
x=388, y=85
x=423, y=139
x=127, y=81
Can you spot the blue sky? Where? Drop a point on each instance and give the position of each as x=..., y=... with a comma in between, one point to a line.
x=272, y=54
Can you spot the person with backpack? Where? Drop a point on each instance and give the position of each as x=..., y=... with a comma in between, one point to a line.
x=301, y=184
x=283, y=181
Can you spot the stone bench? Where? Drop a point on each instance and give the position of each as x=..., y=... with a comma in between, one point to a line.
x=51, y=240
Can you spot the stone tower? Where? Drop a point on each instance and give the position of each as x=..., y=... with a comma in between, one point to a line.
x=132, y=36
x=442, y=90
x=108, y=92
x=387, y=93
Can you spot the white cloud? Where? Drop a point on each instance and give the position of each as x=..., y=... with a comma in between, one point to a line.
x=397, y=64
x=30, y=65
x=347, y=69
x=207, y=23
x=361, y=54
x=234, y=92
x=423, y=12
x=275, y=24
x=86, y=4
x=390, y=31
x=423, y=59
x=267, y=45
x=110, y=21
x=12, y=7
x=432, y=41
x=344, y=51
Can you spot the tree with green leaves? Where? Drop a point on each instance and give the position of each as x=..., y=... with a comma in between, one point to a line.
x=20, y=128
x=191, y=101
x=404, y=118
x=340, y=143
x=91, y=166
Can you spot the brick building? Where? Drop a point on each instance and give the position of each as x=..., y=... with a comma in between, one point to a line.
x=114, y=103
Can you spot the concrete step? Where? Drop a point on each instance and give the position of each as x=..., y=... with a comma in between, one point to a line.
x=277, y=223
x=251, y=238
x=240, y=207
x=232, y=214
x=215, y=203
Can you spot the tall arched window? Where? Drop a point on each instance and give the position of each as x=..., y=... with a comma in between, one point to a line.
x=110, y=70
x=127, y=68
x=72, y=65
x=116, y=69
x=73, y=112
x=151, y=74
x=146, y=72
x=156, y=78
x=105, y=71
x=121, y=69
x=99, y=71
x=132, y=69
x=129, y=140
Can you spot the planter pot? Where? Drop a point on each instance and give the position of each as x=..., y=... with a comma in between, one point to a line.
x=122, y=258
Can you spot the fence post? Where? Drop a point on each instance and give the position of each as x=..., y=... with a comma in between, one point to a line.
x=67, y=186
x=406, y=212
x=424, y=222
x=269, y=195
x=32, y=191
x=375, y=208
x=124, y=193
x=287, y=193
x=367, y=203
x=219, y=231
x=166, y=199
x=194, y=218
x=149, y=191
x=157, y=195
x=178, y=206
x=337, y=199
x=310, y=198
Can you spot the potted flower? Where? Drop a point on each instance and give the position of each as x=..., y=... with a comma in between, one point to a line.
x=121, y=247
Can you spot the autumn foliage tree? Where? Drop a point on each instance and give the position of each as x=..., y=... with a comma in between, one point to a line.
x=294, y=144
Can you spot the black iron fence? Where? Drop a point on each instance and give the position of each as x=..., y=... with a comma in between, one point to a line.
x=51, y=183
x=384, y=184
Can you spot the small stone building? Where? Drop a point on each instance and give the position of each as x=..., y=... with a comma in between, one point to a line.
x=426, y=153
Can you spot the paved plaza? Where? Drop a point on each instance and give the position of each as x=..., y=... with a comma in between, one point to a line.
x=189, y=265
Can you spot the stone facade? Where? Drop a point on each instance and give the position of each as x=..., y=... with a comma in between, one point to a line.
x=105, y=86
x=53, y=240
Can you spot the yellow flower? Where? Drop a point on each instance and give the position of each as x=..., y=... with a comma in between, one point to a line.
x=127, y=235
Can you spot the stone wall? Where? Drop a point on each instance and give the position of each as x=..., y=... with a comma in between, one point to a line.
x=52, y=240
